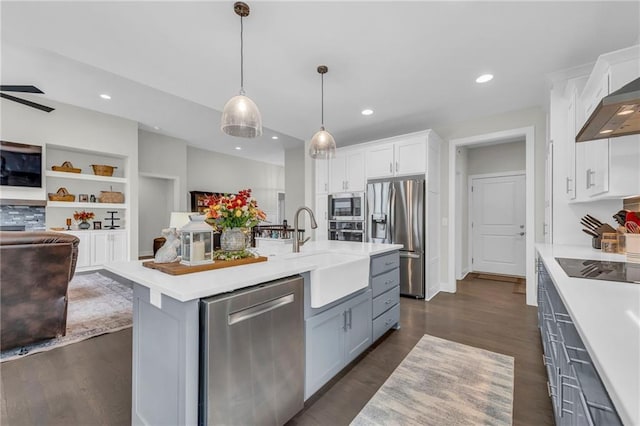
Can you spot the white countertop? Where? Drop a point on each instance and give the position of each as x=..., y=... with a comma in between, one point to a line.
x=607, y=316
x=209, y=283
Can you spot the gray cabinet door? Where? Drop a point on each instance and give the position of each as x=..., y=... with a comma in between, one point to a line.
x=358, y=336
x=325, y=348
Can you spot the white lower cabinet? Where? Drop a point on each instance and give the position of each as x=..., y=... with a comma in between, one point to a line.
x=109, y=246
x=99, y=247
x=334, y=338
x=84, y=250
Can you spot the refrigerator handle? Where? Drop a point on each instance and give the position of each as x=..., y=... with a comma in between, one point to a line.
x=391, y=209
x=409, y=255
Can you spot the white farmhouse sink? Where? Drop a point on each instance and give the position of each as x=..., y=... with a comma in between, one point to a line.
x=336, y=275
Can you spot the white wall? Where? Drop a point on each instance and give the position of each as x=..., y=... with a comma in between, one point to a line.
x=505, y=157
x=294, y=179
x=510, y=120
x=162, y=155
x=214, y=172
x=76, y=128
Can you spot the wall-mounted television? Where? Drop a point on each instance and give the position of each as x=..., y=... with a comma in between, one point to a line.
x=21, y=164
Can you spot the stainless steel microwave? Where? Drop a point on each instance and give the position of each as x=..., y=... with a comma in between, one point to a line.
x=346, y=206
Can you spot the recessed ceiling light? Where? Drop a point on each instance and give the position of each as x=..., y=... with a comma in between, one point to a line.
x=274, y=137
x=105, y=96
x=156, y=127
x=367, y=112
x=604, y=132
x=484, y=78
x=238, y=148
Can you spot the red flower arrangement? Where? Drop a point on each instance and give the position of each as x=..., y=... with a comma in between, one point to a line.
x=83, y=216
x=233, y=211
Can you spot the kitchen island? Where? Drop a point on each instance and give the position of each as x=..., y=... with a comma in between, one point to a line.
x=606, y=315
x=167, y=323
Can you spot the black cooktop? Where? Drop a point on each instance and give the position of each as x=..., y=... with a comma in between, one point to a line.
x=601, y=270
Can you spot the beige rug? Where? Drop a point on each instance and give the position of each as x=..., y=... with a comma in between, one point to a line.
x=444, y=383
x=97, y=305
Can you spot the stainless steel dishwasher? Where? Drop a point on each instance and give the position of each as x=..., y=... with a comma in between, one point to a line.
x=252, y=355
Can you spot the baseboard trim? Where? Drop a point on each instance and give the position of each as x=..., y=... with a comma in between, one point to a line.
x=434, y=295
x=464, y=274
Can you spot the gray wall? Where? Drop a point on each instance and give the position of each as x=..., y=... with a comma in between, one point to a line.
x=215, y=172
x=506, y=157
x=164, y=156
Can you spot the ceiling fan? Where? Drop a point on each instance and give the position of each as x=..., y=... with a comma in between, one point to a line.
x=24, y=89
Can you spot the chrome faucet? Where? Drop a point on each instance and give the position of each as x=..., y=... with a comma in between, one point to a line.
x=296, y=237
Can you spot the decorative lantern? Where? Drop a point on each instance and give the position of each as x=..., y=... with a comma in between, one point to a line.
x=197, y=242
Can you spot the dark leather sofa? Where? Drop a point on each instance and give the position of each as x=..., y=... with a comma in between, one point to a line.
x=35, y=270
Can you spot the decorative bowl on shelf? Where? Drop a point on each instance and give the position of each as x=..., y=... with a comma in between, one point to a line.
x=103, y=170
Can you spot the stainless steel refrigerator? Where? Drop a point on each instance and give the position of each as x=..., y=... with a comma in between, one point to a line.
x=396, y=213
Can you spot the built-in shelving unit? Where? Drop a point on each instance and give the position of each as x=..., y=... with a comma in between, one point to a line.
x=97, y=245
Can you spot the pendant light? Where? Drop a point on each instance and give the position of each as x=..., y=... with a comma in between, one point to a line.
x=241, y=116
x=322, y=146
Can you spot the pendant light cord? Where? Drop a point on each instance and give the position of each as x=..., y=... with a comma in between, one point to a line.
x=322, y=100
x=241, y=58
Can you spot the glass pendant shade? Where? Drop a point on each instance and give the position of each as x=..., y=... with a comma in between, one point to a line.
x=323, y=146
x=241, y=117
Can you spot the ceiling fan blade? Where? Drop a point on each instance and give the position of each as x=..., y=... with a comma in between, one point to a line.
x=26, y=102
x=23, y=89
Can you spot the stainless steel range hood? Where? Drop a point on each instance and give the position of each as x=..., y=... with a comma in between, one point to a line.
x=616, y=115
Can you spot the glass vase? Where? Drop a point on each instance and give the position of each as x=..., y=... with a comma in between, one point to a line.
x=84, y=225
x=234, y=239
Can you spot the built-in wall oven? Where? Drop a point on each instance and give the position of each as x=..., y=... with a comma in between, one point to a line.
x=346, y=230
x=347, y=206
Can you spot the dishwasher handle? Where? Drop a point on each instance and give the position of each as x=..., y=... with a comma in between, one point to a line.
x=262, y=308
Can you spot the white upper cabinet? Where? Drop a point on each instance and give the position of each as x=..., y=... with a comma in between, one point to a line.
x=347, y=171
x=380, y=161
x=606, y=168
x=573, y=118
x=596, y=156
x=401, y=157
x=411, y=156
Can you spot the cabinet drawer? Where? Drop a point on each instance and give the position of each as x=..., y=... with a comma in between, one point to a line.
x=384, y=263
x=385, y=301
x=385, y=282
x=385, y=321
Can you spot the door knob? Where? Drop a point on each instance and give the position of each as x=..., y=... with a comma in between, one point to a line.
x=521, y=233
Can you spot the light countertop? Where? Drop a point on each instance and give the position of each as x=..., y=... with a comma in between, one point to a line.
x=203, y=284
x=607, y=316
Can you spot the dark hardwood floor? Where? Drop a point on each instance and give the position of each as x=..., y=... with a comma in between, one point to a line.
x=89, y=383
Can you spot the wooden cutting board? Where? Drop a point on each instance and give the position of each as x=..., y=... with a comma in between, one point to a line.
x=176, y=268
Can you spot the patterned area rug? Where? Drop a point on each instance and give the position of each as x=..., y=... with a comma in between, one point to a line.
x=97, y=305
x=444, y=383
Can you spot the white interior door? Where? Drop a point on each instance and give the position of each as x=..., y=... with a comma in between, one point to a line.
x=497, y=212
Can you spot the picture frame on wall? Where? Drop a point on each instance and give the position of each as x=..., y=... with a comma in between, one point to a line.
x=97, y=224
x=83, y=198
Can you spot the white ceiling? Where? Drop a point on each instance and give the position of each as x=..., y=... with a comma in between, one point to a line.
x=175, y=64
